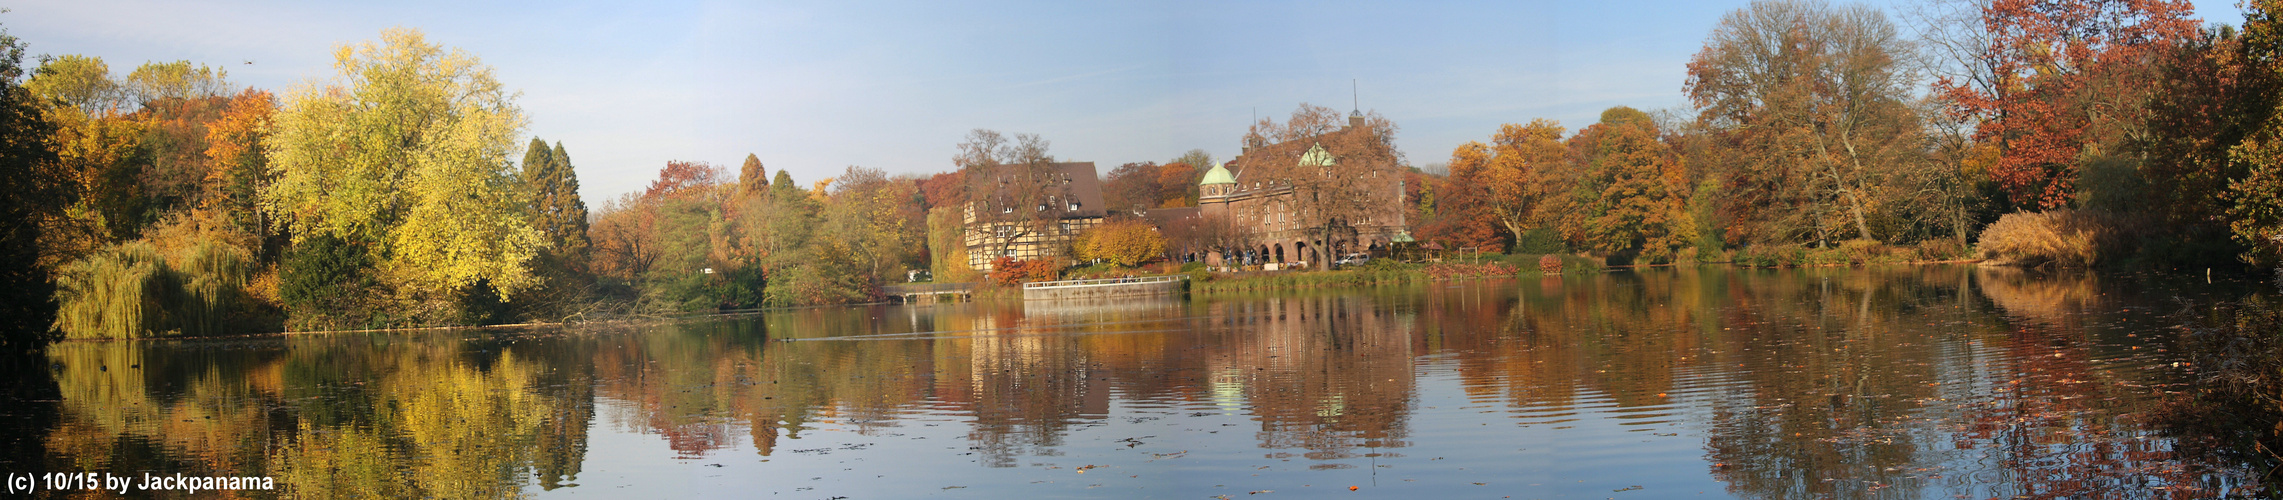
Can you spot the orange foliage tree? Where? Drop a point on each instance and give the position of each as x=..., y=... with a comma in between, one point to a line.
x=1177, y=184
x=1007, y=271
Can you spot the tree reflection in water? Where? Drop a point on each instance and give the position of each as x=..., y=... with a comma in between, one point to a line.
x=1890, y=381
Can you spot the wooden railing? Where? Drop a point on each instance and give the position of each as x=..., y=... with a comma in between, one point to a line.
x=1106, y=281
x=927, y=288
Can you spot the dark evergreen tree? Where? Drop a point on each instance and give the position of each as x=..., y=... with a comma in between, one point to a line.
x=556, y=209
x=34, y=188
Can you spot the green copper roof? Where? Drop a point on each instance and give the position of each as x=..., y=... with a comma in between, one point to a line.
x=1218, y=175
x=1317, y=157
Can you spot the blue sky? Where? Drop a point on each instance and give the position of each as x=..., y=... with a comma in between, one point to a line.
x=816, y=87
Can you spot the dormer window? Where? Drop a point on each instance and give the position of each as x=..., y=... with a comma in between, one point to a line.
x=1073, y=206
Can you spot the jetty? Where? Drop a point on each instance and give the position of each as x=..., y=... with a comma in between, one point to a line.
x=1104, y=288
x=930, y=292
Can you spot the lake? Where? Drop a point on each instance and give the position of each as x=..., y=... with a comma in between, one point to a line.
x=1932, y=381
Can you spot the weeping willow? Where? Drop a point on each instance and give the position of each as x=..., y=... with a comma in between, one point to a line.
x=131, y=291
x=213, y=278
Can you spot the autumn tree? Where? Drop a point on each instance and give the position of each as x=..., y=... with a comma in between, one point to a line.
x=1125, y=242
x=1635, y=187
x=1132, y=186
x=103, y=151
x=157, y=81
x=239, y=164
x=865, y=235
x=81, y=82
x=1341, y=172
x=688, y=230
x=1193, y=165
x=1464, y=215
x=2247, y=84
x=1177, y=184
x=622, y=236
x=946, y=189
x=407, y=153
x=947, y=246
x=1816, y=100
x=752, y=177
x=1515, y=181
x=2056, y=84
x=875, y=214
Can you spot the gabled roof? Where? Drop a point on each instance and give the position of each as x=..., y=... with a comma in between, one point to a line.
x=1086, y=187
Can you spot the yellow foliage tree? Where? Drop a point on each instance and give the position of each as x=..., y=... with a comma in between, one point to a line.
x=408, y=153
x=1126, y=242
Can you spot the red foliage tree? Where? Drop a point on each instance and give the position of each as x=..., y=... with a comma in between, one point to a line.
x=683, y=175
x=2058, y=75
x=944, y=189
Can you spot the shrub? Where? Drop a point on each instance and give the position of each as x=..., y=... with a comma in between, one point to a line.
x=1549, y=264
x=1544, y=240
x=1770, y=255
x=2065, y=237
x=1007, y=271
x=1455, y=270
x=1862, y=251
x=321, y=281
x=1940, y=249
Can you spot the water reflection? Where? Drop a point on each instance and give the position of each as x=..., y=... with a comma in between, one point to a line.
x=1906, y=381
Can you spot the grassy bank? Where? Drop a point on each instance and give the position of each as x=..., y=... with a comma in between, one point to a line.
x=1387, y=272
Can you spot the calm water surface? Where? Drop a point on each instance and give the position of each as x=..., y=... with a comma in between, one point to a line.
x=1905, y=382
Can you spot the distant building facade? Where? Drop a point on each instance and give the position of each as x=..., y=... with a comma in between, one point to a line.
x=1264, y=208
x=1032, y=216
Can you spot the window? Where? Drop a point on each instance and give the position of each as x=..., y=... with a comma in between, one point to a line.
x=1065, y=228
x=1074, y=206
x=1010, y=252
x=1002, y=231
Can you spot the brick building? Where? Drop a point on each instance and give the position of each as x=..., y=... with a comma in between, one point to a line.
x=1265, y=209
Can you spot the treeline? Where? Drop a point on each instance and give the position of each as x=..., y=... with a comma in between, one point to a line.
x=2083, y=132
x=172, y=202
